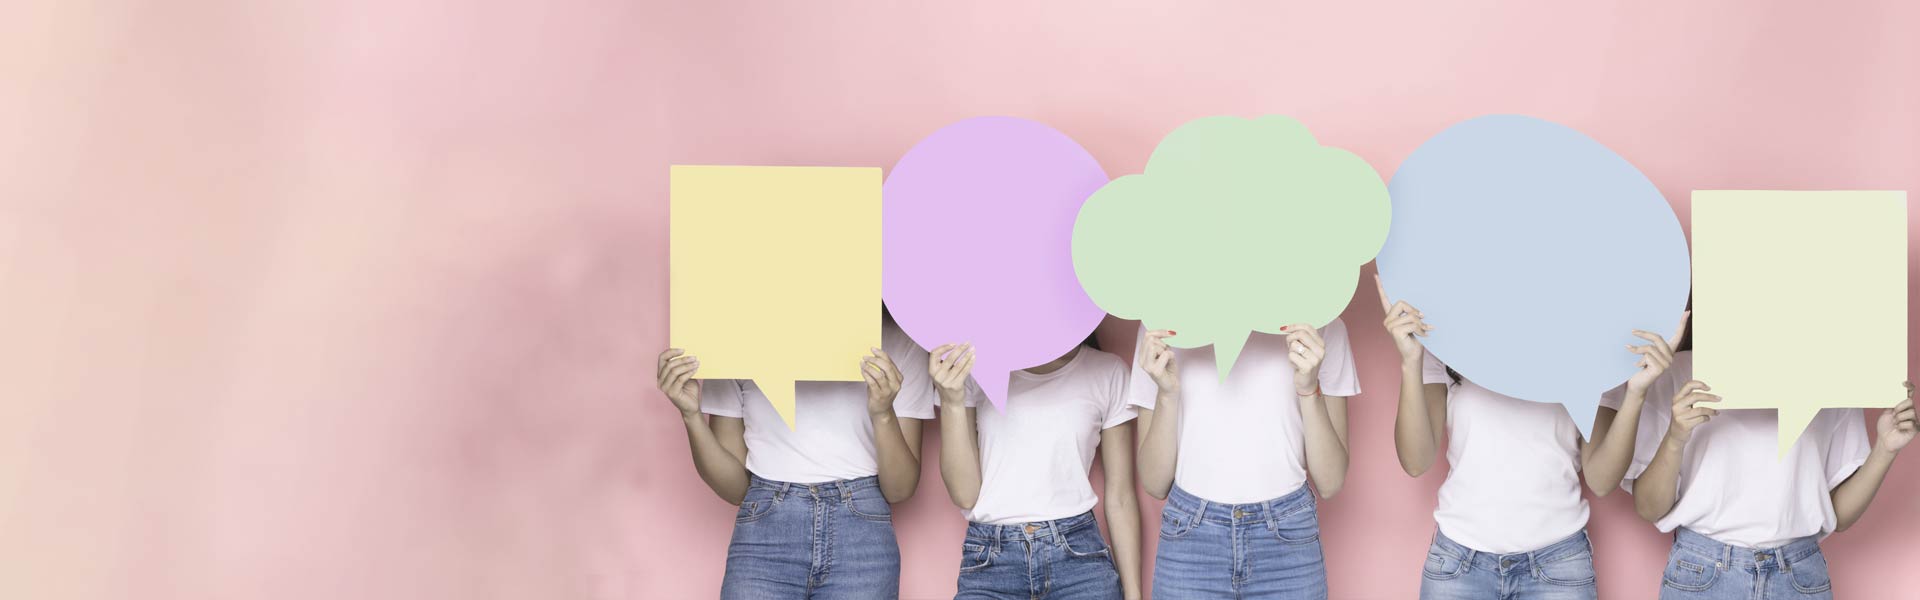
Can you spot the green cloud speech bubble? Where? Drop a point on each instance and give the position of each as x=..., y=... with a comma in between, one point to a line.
x=1237, y=225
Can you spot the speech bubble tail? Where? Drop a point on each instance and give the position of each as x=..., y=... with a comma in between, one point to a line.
x=779, y=393
x=1226, y=350
x=1793, y=422
x=993, y=383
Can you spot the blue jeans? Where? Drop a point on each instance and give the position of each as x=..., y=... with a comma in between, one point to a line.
x=1699, y=568
x=1062, y=559
x=815, y=541
x=1267, y=550
x=1561, y=571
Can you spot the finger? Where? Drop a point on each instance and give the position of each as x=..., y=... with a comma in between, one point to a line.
x=940, y=353
x=1159, y=334
x=1692, y=386
x=1710, y=413
x=1402, y=308
x=867, y=365
x=868, y=375
x=667, y=356
x=1640, y=350
x=1384, y=304
x=966, y=365
x=676, y=369
x=1315, y=342
x=677, y=381
x=893, y=370
x=1652, y=339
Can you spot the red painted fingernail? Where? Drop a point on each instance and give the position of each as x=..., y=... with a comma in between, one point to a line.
x=1283, y=327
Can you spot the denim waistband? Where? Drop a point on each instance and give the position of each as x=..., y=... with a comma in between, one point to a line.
x=1737, y=556
x=843, y=488
x=1567, y=547
x=1241, y=514
x=1035, y=531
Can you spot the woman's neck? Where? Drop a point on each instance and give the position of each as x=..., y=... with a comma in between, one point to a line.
x=1056, y=364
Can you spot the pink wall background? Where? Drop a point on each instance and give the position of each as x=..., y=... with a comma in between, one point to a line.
x=360, y=299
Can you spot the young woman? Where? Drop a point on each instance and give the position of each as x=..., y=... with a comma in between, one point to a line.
x=1233, y=459
x=1511, y=520
x=1747, y=520
x=1020, y=476
x=814, y=519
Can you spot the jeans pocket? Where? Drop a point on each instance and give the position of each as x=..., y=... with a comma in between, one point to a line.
x=1174, y=523
x=758, y=502
x=1810, y=574
x=1302, y=526
x=1689, y=573
x=867, y=503
x=974, y=556
x=1441, y=565
x=1086, y=542
x=1574, y=571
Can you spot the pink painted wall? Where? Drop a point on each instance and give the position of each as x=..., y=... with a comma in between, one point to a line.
x=360, y=299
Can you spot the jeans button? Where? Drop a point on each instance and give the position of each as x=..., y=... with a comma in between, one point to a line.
x=1506, y=563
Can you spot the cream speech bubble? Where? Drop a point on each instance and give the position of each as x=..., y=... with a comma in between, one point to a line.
x=774, y=273
x=1800, y=300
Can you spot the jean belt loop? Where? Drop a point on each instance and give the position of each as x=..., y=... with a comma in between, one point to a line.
x=1780, y=554
x=1059, y=537
x=1471, y=554
x=1726, y=550
x=846, y=490
x=780, y=491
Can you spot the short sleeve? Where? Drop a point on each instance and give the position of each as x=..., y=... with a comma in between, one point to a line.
x=1338, y=377
x=1615, y=397
x=917, y=396
x=1139, y=389
x=1849, y=447
x=1114, y=389
x=1432, y=370
x=722, y=398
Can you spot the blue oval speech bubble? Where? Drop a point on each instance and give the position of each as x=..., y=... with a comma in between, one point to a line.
x=1534, y=252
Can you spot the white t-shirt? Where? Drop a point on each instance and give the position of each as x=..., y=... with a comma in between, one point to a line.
x=1241, y=441
x=1513, y=482
x=1734, y=486
x=1035, y=457
x=832, y=439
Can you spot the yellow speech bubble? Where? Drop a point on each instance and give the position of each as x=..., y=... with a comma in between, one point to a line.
x=1800, y=300
x=775, y=273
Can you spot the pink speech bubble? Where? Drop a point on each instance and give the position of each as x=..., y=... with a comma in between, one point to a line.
x=977, y=244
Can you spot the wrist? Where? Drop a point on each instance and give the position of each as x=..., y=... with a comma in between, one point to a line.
x=693, y=417
x=1886, y=452
x=1410, y=366
x=1676, y=438
x=1313, y=392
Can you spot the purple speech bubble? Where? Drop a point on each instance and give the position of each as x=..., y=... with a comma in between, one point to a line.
x=977, y=244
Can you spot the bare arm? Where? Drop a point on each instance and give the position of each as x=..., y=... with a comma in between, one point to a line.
x=1421, y=417
x=1896, y=427
x=1123, y=509
x=719, y=448
x=1605, y=460
x=948, y=366
x=959, y=452
x=1158, y=431
x=720, y=454
x=1420, y=422
x=1657, y=488
x=1325, y=436
x=896, y=441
